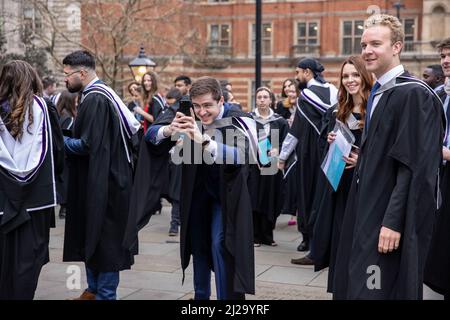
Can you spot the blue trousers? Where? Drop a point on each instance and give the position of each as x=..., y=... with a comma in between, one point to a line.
x=208, y=248
x=103, y=284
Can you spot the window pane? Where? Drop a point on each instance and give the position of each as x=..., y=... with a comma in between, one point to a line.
x=347, y=46
x=214, y=32
x=267, y=30
x=225, y=32
x=359, y=27
x=301, y=28
x=313, y=30
x=409, y=26
x=253, y=32
x=301, y=41
x=357, y=45
x=266, y=50
x=28, y=13
x=312, y=41
x=348, y=28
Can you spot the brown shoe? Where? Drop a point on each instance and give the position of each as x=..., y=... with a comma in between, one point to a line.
x=86, y=295
x=304, y=261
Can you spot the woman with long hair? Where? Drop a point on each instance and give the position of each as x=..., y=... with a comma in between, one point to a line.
x=152, y=102
x=27, y=196
x=289, y=93
x=67, y=109
x=354, y=89
x=266, y=189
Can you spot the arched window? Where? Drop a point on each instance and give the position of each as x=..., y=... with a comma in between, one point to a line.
x=438, y=20
x=438, y=10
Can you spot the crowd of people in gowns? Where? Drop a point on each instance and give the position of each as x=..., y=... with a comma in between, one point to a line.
x=381, y=228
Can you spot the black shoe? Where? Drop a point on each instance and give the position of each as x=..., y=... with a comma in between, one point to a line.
x=304, y=246
x=304, y=261
x=173, y=232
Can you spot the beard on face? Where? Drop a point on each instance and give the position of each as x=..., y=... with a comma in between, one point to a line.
x=301, y=85
x=74, y=87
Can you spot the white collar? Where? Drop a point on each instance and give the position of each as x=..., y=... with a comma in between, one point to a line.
x=22, y=158
x=220, y=115
x=391, y=74
x=91, y=83
x=260, y=116
x=313, y=82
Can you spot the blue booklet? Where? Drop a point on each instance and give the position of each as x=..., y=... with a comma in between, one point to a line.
x=264, y=148
x=334, y=165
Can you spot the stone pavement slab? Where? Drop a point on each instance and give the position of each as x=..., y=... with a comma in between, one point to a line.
x=288, y=275
x=157, y=274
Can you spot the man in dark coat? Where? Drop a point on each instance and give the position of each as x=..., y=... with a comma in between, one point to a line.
x=100, y=179
x=437, y=269
x=392, y=201
x=216, y=212
x=316, y=97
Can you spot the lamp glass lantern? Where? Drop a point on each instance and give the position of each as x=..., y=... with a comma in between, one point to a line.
x=141, y=64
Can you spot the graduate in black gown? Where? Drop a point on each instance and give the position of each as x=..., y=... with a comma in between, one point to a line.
x=151, y=179
x=391, y=206
x=354, y=90
x=100, y=179
x=215, y=206
x=67, y=110
x=266, y=187
x=316, y=97
x=27, y=179
x=437, y=269
x=286, y=108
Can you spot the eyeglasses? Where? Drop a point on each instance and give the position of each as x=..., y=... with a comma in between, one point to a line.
x=67, y=75
x=207, y=107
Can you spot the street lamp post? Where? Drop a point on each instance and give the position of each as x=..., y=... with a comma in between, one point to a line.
x=258, y=27
x=141, y=64
x=398, y=5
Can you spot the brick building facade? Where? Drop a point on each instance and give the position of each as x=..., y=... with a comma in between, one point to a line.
x=328, y=30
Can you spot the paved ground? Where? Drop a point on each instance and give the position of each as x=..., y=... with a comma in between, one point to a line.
x=156, y=275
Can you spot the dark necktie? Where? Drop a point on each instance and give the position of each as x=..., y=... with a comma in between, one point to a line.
x=447, y=114
x=375, y=87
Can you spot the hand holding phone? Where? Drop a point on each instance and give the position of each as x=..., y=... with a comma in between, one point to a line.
x=185, y=106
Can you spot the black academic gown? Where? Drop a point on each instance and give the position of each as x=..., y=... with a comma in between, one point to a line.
x=329, y=206
x=66, y=122
x=266, y=190
x=25, y=235
x=150, y=182
x=306, y=128
x=99, y=190
x=57, y=137
x=236, y=213
x=437, y=268
x=394, y=185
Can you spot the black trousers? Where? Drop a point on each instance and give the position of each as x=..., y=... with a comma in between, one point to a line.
x=23, y=253
x=262, y=229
